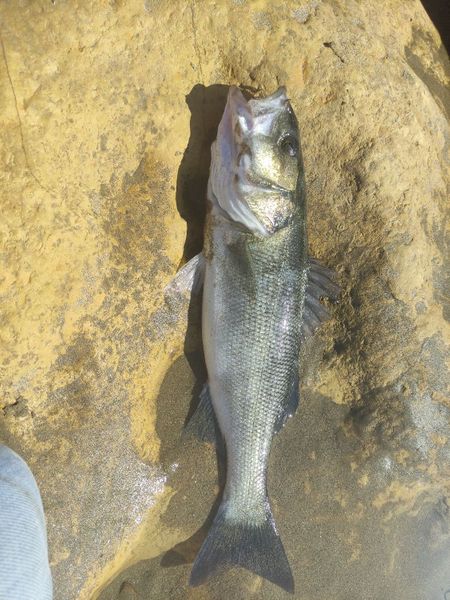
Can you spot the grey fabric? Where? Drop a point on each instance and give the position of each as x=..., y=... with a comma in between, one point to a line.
x=24, y=568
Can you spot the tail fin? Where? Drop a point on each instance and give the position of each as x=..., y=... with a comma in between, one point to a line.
x=255, y=547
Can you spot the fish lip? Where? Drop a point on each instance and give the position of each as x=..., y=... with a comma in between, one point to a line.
x=269, y=186
x=266, y=184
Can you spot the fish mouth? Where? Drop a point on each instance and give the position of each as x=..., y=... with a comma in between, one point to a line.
x=249, y=183
x=250, y=180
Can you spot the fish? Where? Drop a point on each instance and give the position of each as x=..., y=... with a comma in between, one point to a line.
x=261, y=299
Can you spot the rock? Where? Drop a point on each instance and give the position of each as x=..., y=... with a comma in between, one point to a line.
x=108, y=111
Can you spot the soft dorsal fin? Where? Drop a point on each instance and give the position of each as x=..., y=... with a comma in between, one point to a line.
x=320, y=284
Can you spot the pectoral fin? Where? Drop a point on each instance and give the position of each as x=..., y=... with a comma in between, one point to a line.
x=189, y=279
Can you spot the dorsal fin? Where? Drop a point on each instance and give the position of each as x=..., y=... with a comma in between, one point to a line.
x=321, y=284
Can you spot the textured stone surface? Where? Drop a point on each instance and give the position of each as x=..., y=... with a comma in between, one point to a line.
x=107, y=113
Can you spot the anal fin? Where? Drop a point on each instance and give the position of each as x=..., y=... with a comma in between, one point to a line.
x=291, y=404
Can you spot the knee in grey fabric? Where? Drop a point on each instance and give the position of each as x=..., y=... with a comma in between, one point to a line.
x=24, y=568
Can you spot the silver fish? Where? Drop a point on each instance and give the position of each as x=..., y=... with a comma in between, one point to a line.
x=261, y=297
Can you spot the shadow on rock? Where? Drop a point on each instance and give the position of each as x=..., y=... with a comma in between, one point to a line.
x=196, y=470
x=206, y=105
x=186, y=551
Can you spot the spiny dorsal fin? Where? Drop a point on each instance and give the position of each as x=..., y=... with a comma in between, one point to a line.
x=320, y=284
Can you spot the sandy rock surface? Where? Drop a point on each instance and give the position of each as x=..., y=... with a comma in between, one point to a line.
x=108, y=110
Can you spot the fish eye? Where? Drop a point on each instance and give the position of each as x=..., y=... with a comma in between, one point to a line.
x=288, y=144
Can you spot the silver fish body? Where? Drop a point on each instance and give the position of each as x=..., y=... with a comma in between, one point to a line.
x=260, y=297
x=253, y=301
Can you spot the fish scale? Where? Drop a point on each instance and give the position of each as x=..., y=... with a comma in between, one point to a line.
x=257, y=360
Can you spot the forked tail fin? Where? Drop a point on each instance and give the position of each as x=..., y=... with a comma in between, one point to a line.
x=255, y=547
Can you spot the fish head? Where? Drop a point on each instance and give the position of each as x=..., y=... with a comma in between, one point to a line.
x=256, y=161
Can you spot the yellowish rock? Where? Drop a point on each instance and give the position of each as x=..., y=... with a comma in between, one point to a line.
x=107, y=113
